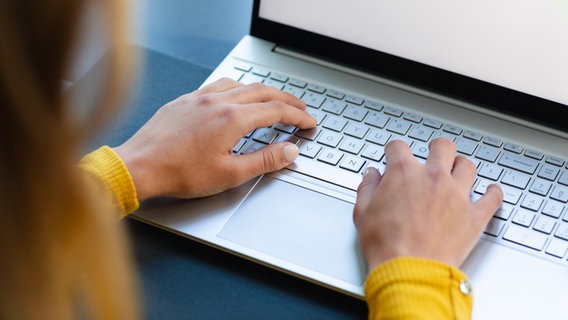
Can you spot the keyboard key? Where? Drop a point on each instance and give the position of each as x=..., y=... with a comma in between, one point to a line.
x=493, y=141
x=523, y=217
x=285, y=128
x=273, y=83
x=313, y=99
x=352, y=145
x=557, y=248
x=330, y=156
x=548, y=172
x=525, y=237
x=532, y=202
x=564, y=178
x=555, y=161
x=377, y=119
x=421, y=133
x=432, y=123
x=330, y=138
x=534, y=154
x=335, y=94
x=373, y=105
x=420, y=150
x=356, y=130
x=466, y=146
x=279, y=77
x=399, y=126
x=260, y=72
x=518, y=162
x=334, y=106
x=309, y=149
x=504, y=211
x=562, y=231
x=541, y=187
x=316, y=88
x=355, y=113
x=373, y=152
x=488, y=153
x=379, y=137
x=326, y=172
x=553, y=208
x=472, y=135
x=452, y=129
x=560, y=193
x=544, y=224
x=295, y=91
x=298, y=83
x=516, y=179
x=264, y=135
x=513, y=148
x=490, y=171
x=352, y=163
x=393, y=111
x=412, y=117
x=494, y=227
x=334, y=123
x=318, y=114
x=354, y=100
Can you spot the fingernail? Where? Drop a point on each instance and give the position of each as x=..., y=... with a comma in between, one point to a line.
x=291, y=152
x=366, y=171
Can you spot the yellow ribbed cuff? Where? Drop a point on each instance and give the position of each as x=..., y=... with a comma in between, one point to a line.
x=107, y=167
x=415, y=288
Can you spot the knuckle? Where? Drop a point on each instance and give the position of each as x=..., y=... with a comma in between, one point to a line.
x=206, y=100
x=269, y=161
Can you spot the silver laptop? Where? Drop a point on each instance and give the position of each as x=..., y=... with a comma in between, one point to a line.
x=490, y=75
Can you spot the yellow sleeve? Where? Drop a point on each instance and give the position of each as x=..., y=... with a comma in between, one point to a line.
x=106, y=167
x=414, y=288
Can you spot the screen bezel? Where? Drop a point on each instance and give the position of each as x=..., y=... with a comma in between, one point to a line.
x=493, y=97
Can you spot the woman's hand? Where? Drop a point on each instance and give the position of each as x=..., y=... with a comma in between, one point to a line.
x=185, y=149
x=422, y=210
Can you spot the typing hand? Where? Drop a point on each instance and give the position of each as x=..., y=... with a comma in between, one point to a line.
x=185, y=149
x=422, y=210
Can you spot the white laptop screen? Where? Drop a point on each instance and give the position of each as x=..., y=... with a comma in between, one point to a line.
x=520, y=45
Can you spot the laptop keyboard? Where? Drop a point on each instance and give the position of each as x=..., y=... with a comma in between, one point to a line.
x=352, y=132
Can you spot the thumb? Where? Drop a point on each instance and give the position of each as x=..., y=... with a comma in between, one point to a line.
x=371, y=179
x=268, y=159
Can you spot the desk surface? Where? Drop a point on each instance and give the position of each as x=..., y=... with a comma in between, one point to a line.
x=182, y=279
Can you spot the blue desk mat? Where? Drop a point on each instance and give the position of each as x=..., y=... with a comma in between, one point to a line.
x=184, y=279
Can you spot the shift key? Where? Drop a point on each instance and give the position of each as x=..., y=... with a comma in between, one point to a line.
x=525, y=237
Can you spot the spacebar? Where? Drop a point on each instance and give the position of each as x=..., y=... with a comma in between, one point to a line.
x=326, y=172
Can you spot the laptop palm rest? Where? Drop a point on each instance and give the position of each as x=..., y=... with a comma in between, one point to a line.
x=315, y=231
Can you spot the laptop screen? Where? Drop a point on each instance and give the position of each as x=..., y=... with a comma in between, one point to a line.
x=512, y=50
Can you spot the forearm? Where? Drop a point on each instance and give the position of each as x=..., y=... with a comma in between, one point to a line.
x=413, y=288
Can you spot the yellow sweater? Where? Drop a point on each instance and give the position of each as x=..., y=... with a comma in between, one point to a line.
x=402, y=288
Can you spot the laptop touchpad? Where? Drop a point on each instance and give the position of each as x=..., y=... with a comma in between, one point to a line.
x=299, y=226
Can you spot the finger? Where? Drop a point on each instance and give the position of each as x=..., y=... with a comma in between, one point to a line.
x=220, y=85
x=268, y=113
x=464, y=172
x=267, y=159
x=489, y=203
x=258, y=92
x=397, y=151
x=366, y=189
x=442, y=152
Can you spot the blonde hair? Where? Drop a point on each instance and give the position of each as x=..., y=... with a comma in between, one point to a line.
x=62, y=256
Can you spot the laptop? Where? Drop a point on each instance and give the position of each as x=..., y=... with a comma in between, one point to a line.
x=490, y=75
